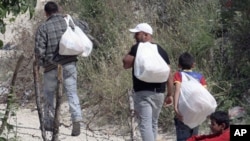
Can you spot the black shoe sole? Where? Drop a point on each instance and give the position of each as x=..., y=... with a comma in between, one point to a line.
x=75, y=134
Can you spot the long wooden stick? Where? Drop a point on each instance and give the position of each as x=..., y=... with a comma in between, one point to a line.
x=10, y=95
x=38, y=98
x=58, y=102
x=132, y=114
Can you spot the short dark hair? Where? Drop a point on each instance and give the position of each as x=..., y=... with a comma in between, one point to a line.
x=51, y=7
x=220, y=117
x=186, y=60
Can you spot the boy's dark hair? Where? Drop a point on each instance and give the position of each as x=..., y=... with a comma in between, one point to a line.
x=186, y=60
x=51, y=7
x=220, y=117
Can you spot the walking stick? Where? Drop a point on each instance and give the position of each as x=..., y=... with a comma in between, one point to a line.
x=132, y=114
x=10, y=95
x=38, y=98
x=58, y=102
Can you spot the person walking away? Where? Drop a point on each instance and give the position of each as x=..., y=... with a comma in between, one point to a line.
x=186, y=63
x=47, y=40
x=148, y=97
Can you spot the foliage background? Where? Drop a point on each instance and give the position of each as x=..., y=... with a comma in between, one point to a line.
x=14, y=8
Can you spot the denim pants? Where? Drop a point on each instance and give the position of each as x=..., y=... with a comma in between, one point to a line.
x=183, y=132
x=148, y=106
x=70, y=89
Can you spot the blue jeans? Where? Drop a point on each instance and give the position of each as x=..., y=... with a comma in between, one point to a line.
x=183, y=132
x=70, y=88
x=148, y=107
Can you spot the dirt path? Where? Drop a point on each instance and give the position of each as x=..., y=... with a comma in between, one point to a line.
x=26, y=128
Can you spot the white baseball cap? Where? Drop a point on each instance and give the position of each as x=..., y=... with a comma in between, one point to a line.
x=142, y=27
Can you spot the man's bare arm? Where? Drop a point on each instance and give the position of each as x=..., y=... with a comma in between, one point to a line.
x=170, y=84
x=128, y=61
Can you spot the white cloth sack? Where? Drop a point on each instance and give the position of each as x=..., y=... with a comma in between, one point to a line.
x=149, y=66
x=195, y=101
x=74, y=41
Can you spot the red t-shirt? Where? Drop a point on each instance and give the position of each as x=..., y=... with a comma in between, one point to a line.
x=225, y=136
x=196, y=75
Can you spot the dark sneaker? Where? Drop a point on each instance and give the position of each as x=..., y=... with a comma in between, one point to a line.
x=47, y=128
x=76, y=129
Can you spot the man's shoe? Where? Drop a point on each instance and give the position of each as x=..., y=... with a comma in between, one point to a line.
x=47, y=128
x=76, y=129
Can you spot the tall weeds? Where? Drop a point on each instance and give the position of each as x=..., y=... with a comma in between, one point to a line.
x=201, y=27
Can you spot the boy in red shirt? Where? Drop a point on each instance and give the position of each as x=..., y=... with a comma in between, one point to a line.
x=186, y=63
x=219, y=128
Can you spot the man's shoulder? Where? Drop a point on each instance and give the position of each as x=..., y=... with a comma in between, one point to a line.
x=136, y=44
x=160, y=49
x=55, y=18
x=42, y=27
x=56, y=21
x=159, y=46
x=133, y=49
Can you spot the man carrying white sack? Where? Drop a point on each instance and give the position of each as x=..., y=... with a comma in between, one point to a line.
x=148, y=96
x=46, y=52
